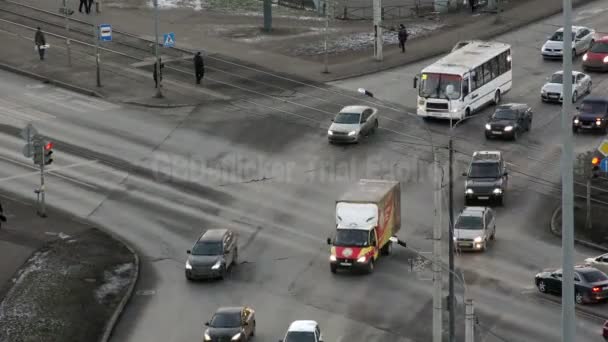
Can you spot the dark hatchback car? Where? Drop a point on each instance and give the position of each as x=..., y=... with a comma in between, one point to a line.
x=592, y=115
x=231, y=324
x=590, y=284
x=509, y=120
x=212, y=255
x=487, y=178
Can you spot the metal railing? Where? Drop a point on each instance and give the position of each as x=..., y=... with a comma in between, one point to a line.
x=412, y=9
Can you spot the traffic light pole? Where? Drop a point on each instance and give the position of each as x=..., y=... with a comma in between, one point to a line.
x=42, y=211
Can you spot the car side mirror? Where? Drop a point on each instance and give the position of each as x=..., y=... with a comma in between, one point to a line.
x=363, y=121
x=464, y=174
x=188, y=251
x=506, y=173
x=329, y=241
x=415, y=81
x=280, y=340
x=578, y=108
x=207, y=323
x=245, y=323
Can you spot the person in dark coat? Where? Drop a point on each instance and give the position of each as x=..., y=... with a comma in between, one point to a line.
x=40, y=41
x=472, y=4
x=159, y=73
x=86, y=7
x=199, y=67
x=90, y=6
x=402, y=37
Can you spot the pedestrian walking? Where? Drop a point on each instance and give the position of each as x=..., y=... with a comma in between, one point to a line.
x=90, y=6
x=158, y=72
x=199, y=67
x=402, y=37
x=83, y=3
x=472, y=4
x=40, y=42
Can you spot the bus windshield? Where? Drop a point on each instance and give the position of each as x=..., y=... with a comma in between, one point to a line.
x=440, y=86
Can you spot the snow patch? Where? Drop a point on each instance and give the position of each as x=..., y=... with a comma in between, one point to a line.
x=114, y=281
x=35, y=264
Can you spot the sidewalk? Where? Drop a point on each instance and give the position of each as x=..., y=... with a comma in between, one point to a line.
x=43, y=262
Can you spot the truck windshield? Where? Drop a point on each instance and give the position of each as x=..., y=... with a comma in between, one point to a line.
x=352, y=237
x=440, y=86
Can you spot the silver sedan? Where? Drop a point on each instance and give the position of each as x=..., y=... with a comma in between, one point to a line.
x=353, y=122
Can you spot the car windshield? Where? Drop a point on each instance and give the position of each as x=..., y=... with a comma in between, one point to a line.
x=559, y=78
x=351, y=237
x=440, y=86
x=300, y=336
x=593, y=107
x=226, y=320
x=505, y=114
x=207, y=248
x=559, y=36
x=469, y=222
x=484, y=170
x=347, y=118
x=599, y=48
x=594, y=276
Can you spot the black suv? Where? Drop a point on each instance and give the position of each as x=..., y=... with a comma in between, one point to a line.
x=593, y=115
x=487, y=177
x=509, y=120
x=212, y=255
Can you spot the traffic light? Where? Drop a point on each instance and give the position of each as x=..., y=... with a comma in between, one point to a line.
x=48, y=151
x=595, y=161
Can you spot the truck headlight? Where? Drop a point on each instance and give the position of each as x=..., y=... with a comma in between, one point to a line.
x=332, y=258
x=469, y=191
x=351, y=133
x=188, y=265
x=362, y=259
x=478, y=239
x=236, y=337
x=488, y=127
x=217, y=265
x=421, y=102
x=508, y=128
x=497, y=191
x=330, y=132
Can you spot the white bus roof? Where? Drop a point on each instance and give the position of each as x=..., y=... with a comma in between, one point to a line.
x=467, y=57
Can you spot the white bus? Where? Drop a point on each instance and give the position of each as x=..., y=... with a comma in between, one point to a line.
x=474, y=74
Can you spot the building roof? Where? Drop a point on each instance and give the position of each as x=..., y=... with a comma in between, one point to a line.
x=213, y=234
x=303, y=325
x=467, y=57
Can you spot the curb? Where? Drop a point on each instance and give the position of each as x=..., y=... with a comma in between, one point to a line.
x=556, y=232
x=109, y=328
x=505, y=29
x=149, y=105
x=54, y=82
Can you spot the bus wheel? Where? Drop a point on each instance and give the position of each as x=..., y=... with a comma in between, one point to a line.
x=467, y=113
x=497, y=97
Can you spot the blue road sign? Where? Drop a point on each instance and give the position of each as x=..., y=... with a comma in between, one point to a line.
x=169, y=40
x=604, y=165
x=105, y=32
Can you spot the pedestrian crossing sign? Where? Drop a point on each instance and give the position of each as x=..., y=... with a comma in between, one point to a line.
x=603, y=149
x=169, y=40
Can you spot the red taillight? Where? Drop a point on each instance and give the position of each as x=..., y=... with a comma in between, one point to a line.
x=596, y=289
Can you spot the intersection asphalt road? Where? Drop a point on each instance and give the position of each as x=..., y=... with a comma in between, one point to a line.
x=264, y=168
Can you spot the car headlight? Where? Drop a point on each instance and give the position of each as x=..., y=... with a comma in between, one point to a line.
x=207, y=337
x=237, y=336
x=488, y=127
x=576, y=121
x=508, y=128
x=469, y=191
x=362, y=259
x=330, y=132
x=498, y=191
x=332, y=257
x=351, y=133
x=217, y=265
x=421, y=102
x=598, y=122
x=585, y=57
x=478, y=239
x=543, y=91
x=606, y=59
x=188, y=265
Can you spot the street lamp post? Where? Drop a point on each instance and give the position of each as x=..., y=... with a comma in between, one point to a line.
x=157, y=69
x=98, y=67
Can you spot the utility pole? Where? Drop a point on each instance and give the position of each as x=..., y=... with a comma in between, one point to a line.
x=42, y=199
x=437, y=272
x=267, y=15
x=96, y=35
x=568, y=313
x=378, y=41
x=451, y=299
x=159, y=94
x=469, y=329
x=66, y=15
x=325, y=11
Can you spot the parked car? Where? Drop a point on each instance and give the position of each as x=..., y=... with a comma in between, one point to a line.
x=552, y=91
x=599, y=262
x=582, y=39
x=590, y=284
x=352, y=123
x=303, y=331
x=235, y=324
x=592, y=115
x=487, y=178
x=596, y=59
x=605, y=330
x=212, y=255
x=509, y=121
x=474, y=227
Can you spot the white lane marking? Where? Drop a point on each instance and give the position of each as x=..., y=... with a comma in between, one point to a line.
x=99, y=104
x=51, y=170
x=17, y=111
x=57, y=101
